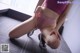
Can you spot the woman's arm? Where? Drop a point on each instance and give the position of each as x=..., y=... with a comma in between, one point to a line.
x=62, y=17
x=40, y=2
x=23, y=28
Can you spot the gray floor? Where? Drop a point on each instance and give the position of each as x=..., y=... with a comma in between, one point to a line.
x=25, y=44
x=71, y=32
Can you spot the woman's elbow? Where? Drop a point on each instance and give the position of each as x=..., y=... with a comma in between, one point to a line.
x=12, y=35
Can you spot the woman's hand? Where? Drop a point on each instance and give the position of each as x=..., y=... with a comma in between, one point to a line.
x=56, y=32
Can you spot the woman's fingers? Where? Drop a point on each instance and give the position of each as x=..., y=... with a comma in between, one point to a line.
x=56, y=33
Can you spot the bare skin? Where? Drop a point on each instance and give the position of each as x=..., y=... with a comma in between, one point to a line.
x=49, y=27
x=23, y=28
x=47, y=23
x=51, y=39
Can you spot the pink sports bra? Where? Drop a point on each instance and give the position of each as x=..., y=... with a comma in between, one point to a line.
x=55, y=6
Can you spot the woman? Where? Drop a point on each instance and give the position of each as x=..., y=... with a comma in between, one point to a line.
x=47, y=19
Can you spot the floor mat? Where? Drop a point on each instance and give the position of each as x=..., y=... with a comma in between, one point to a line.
x=25, y=44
